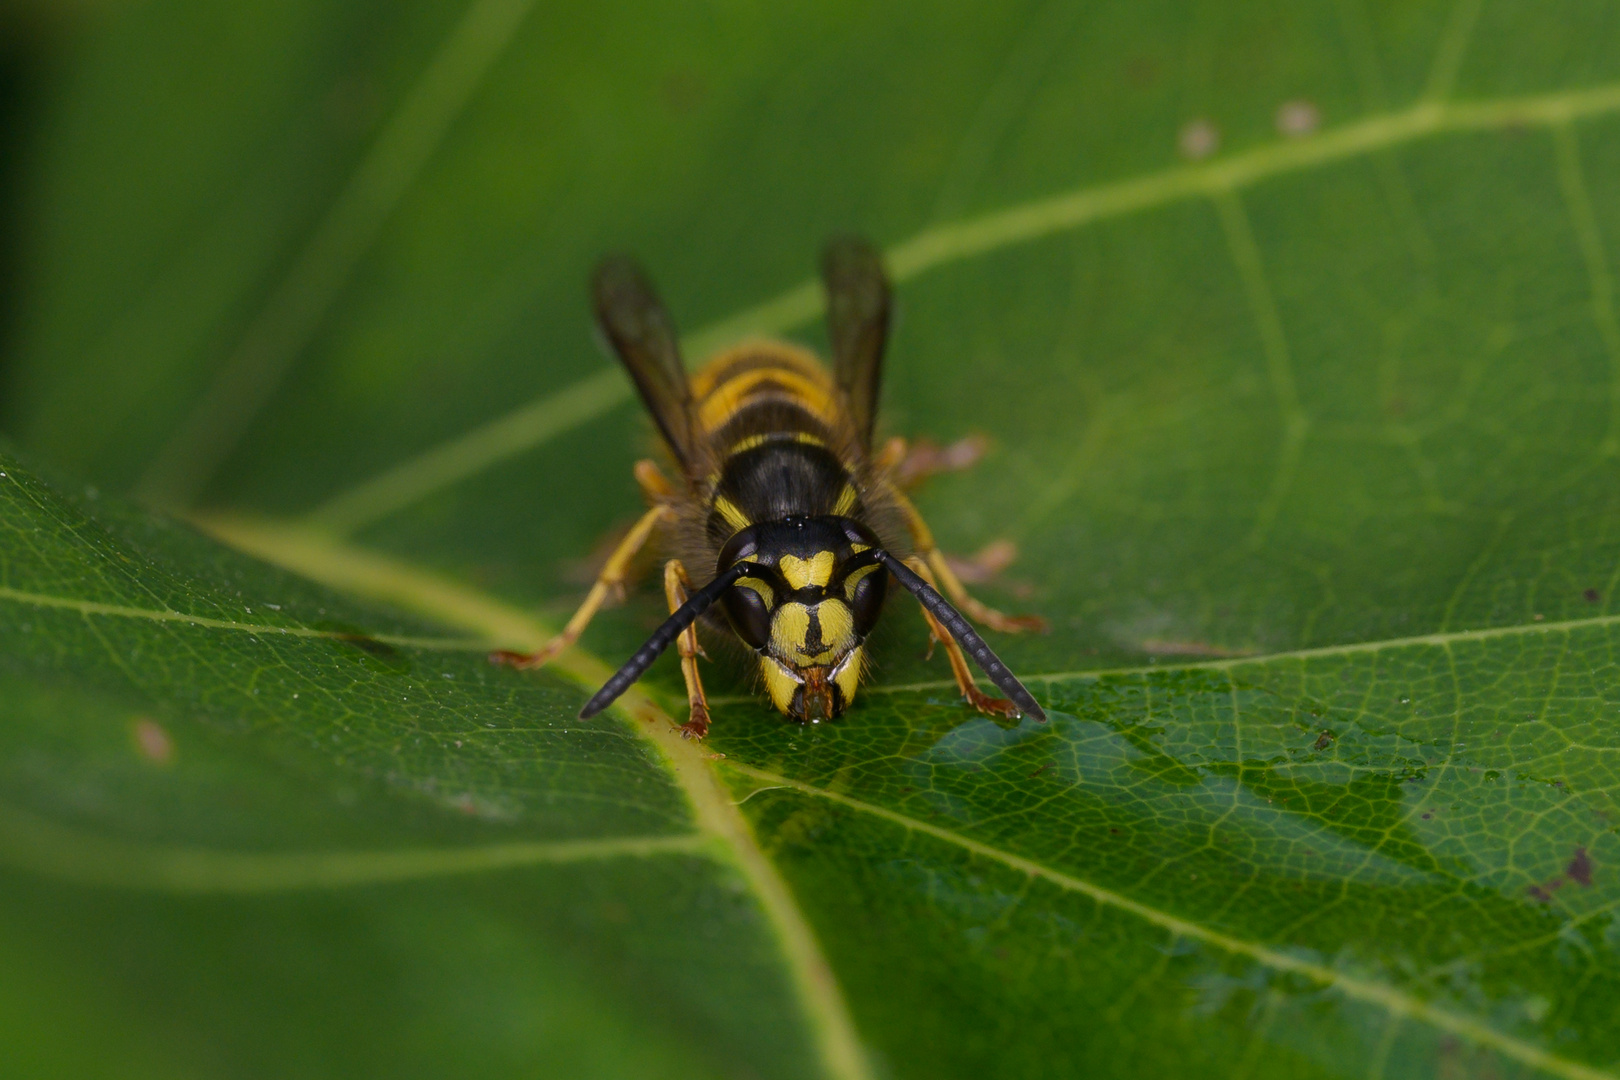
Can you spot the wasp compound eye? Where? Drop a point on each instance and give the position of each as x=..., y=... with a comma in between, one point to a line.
x=748, y=605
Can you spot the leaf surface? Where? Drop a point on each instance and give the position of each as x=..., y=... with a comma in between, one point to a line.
x=1292, y=330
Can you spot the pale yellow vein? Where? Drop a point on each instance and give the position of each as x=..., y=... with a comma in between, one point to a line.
x=1437, y=640
x=1448, y=55
x=121, y=611
x=43, y=847
x=1357, y=30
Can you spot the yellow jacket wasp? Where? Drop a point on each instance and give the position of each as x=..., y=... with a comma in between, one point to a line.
x=793, y=523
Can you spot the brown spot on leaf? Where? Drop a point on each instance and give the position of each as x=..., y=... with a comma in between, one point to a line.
x=153, y=741
x=1297, y=119
x=1040, y=770
x=1580, y=868
x=1323, y=741
x=1198, y=139
x=1591, y=596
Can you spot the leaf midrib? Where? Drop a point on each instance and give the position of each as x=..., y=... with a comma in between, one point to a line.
x=43, y=847
x=121, y=611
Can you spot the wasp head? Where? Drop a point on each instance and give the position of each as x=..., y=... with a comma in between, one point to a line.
x=806, y=608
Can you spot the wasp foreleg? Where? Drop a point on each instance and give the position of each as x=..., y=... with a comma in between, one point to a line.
x=654, y=484
x=923, y=537
x=677, y=587
x=980, y=700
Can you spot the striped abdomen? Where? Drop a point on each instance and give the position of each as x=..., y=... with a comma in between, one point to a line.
x=780, y=441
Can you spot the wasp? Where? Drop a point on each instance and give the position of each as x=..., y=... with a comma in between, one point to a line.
x=784, y=517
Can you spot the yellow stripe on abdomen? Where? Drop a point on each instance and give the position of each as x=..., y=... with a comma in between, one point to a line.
x=758, y=371
x=743, y=389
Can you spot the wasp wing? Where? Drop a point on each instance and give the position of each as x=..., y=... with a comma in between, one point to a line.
x=857, y=324
x=635, y=323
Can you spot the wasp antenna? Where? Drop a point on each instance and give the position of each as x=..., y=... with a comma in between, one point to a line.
x=684, y=616
x=965, y=635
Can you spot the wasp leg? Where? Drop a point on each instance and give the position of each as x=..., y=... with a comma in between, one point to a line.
x=980, y=700
x=909, y=464
x=676, y=588
x=653, y=483
x=923, y=537
x=610, y=582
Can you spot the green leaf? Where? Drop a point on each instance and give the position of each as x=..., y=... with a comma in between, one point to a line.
x=1293, y=331
x=261, y=834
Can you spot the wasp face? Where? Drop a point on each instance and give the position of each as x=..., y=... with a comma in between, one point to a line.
x=807, y=609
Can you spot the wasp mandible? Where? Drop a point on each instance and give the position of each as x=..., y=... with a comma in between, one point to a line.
x=791, y=522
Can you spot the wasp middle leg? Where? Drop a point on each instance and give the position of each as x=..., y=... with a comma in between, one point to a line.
x=923, y=537
x=910, y=463
x=609, y=583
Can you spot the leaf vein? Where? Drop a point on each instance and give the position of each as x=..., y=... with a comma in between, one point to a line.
x=51, y=850
x=94, y=607
x=1578, y=204
x=1443, y=639
x=1296, y=422
x=1397, y=1003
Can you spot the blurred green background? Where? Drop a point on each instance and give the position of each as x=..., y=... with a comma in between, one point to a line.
x=1290, y=330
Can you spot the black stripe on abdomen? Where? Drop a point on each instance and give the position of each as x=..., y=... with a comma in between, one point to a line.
x=781, y=479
